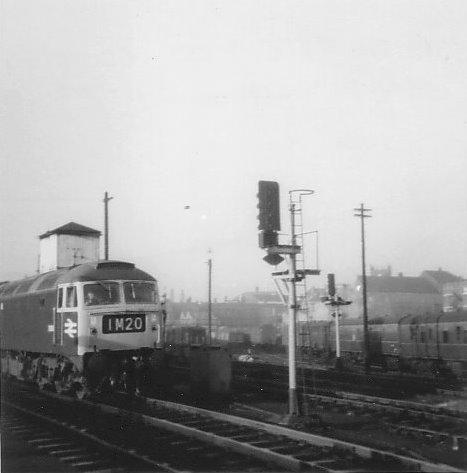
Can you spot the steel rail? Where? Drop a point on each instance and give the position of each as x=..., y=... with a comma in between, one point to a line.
x=318, y=440
x=271, y=446
x=439, y=413
x=379, y=404
x=82, y=433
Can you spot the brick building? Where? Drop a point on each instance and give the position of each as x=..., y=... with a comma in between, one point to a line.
x=398, y=295
x=257, y=319
x=453, y=289
x=429, y=293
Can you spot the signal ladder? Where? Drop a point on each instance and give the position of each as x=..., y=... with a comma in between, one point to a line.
x=296, y=206
x=296, y=210
x=303, y=326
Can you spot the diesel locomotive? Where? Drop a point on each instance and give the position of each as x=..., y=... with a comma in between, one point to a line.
x=82, y=327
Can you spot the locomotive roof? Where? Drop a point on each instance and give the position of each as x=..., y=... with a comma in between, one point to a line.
x=95, y=271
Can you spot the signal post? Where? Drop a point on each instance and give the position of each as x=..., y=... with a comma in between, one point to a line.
x=269, y=225
x=335, y=301
x=291, y=251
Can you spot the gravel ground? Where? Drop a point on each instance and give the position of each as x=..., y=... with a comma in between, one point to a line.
x=362, y=430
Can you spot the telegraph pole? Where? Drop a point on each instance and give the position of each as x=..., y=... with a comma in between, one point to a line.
x=209, y=298
x=106, y=225
x=361, y=213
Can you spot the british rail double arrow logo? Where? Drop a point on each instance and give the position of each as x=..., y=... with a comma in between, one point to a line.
x=70, y=328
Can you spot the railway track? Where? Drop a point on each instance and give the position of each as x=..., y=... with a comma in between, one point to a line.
x=444, y=429
x=155, y=432
x=421, y=416
x=339, y=456
x=95, y=432
x=435, y=412
x=428, y=423
x=74, y=448
x=266, y=375
x=409, y=410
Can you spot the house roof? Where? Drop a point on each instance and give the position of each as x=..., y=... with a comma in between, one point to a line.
x=260, y=297
x=458, y=316
x=399, y=284
x=71, y=228
x=408, y=319
x=441, y=277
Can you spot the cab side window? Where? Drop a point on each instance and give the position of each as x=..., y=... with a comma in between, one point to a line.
x=60, y=297
x=71, y=298
x=445, y=336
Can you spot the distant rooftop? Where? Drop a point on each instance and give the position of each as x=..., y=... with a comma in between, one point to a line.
x=441, y=277
x=401, y=284
x=71, y=228
x=260, y=297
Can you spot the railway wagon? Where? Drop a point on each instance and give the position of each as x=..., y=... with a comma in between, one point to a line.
x=419, y=342
x=268, y=334
x=185, y=335
x=433, y=339
x=79, y=327
x=382, y=332
x=241, y=338
x=313, y=337
x=195, y=366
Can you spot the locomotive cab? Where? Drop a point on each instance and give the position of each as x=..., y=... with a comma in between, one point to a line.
x=118, y=315
x=93, y=309
x=119, y=323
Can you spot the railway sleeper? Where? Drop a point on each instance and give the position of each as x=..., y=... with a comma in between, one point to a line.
x=346, y=456
x=289, y=449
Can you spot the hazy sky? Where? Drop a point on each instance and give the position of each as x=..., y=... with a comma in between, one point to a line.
x=172, y=103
